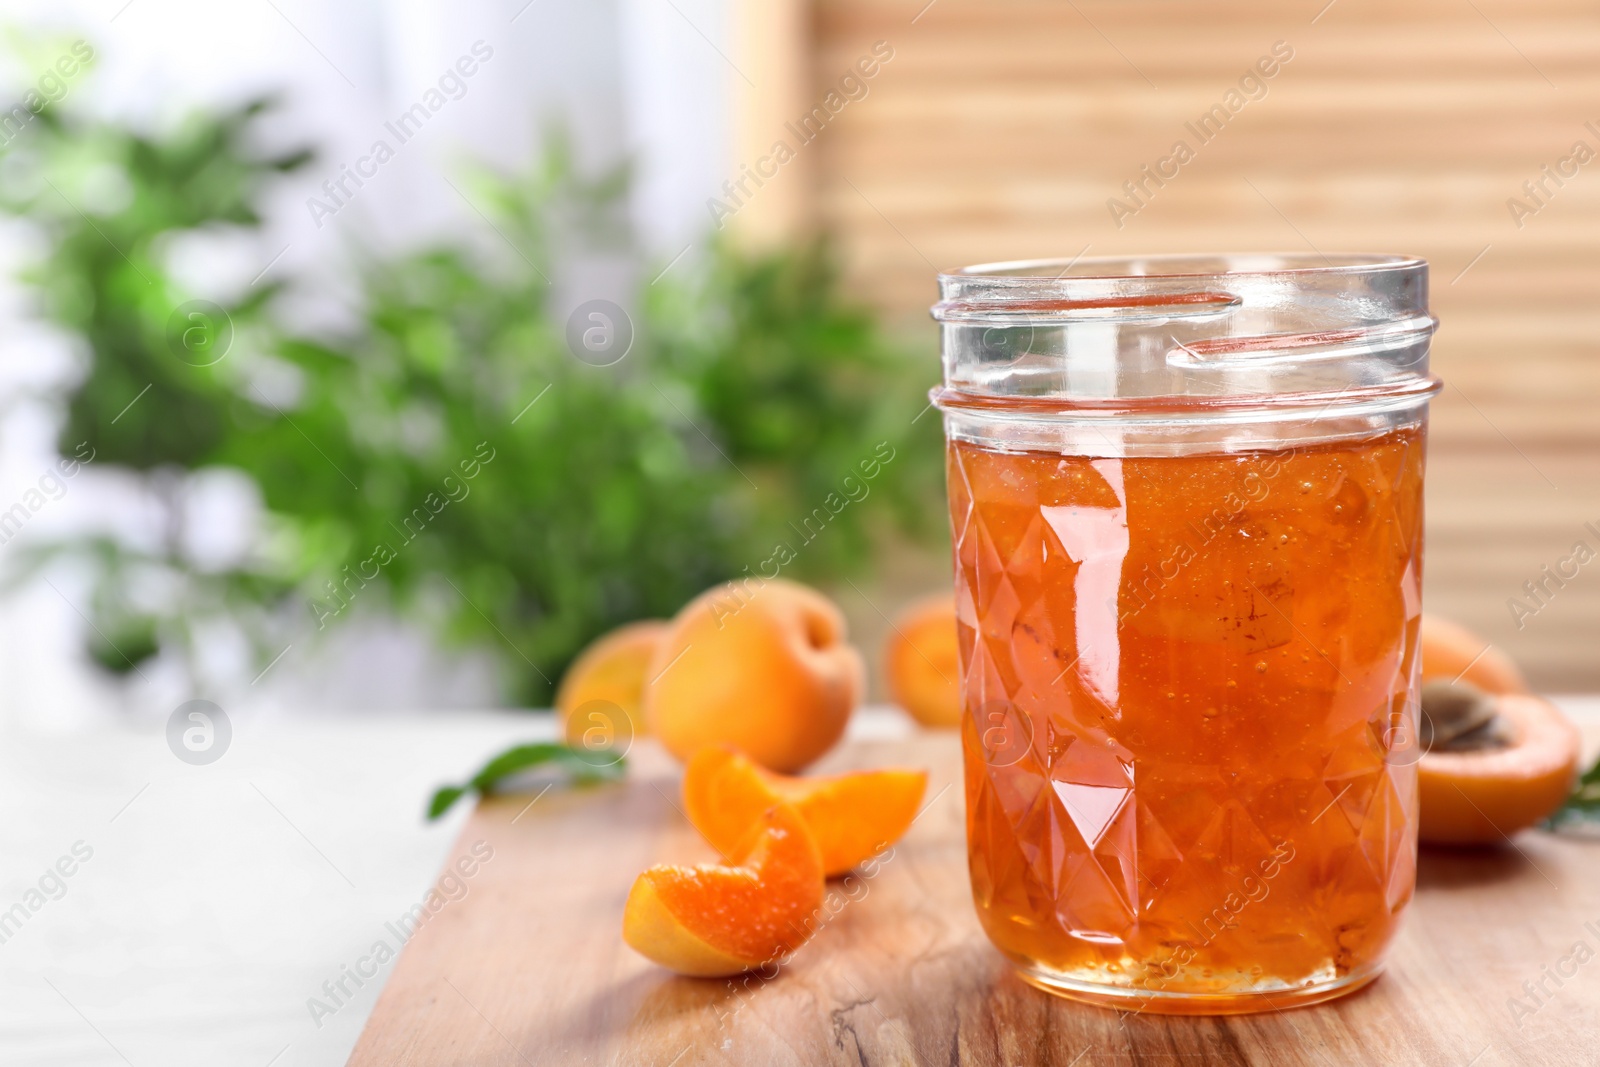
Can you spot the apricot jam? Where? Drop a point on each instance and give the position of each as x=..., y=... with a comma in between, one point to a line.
x=1188, y=740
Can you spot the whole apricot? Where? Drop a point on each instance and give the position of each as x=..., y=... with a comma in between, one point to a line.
x=608, y=676
x=923, y=663
x=763, y=667
x=1451, y=652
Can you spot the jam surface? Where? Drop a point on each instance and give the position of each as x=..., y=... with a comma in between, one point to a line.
x=1189, y=740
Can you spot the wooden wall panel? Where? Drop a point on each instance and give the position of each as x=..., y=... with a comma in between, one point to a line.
x=1001, y=127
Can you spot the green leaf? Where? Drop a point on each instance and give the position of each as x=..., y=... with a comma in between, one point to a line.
x=443, y=800
x=1582, y=807
x=583, y=765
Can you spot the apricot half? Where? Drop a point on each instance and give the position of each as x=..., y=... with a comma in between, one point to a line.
x=763, y=666
x=1512, y=764
x=1451, y=652
x=924, y=663
x=852, y=816
x=610, y=671
x=710, y=921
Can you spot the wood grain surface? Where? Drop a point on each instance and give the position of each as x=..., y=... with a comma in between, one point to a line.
x=1001, y=128
x=528, y=967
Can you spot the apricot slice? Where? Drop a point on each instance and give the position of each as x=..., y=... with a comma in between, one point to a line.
x=1451, y=652
x=609, y=672
x=852, y=816
x=1488, y=776
x=709, y=921
x=762, y=666
x=923, y=663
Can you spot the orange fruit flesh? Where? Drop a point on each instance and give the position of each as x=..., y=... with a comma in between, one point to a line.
x=855, y=816
x=711, y=920
x=852, y=816
x=724, y=795
x=1481, y=797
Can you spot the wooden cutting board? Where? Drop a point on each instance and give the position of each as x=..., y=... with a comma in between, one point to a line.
x=527, y=965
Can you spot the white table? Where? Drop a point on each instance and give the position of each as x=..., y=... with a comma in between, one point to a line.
x=219, y=899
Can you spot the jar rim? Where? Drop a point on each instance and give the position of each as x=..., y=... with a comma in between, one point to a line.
x=1180, y=265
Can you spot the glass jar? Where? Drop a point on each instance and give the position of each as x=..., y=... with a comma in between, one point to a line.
x=1186, y=500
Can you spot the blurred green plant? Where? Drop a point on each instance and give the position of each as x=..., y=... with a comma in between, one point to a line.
x=106, y=199
x=447, y=456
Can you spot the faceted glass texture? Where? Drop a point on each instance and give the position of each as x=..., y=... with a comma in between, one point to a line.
x=1189, y=742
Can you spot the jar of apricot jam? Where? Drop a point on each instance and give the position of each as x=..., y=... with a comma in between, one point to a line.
x=1186, y=500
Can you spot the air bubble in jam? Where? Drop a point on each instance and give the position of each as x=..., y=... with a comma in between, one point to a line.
x=1208, y=648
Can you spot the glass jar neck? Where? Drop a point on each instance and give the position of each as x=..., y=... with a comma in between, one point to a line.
x=1169, y=354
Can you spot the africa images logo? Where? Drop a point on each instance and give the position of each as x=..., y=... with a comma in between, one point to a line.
x=198, y=732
